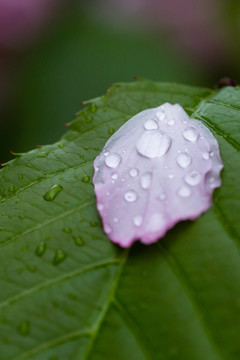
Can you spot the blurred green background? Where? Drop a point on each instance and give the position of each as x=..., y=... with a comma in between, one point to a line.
x=82, y=49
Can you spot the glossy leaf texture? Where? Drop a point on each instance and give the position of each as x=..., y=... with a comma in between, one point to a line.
x=67, y=292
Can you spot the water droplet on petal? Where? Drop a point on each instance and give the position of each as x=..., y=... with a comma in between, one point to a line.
x=193, y=178
x=107, y=229
x=205, y=155
x=106, y=153
x=113, y=160
x=184, y=191
x=170, y=176
x=53, y=192
x=115, y=220
x=114, y=176
x=153, y=143
x=133, y=172
x=162, y=196
x=146, y=180
x=161, y=115
x=100, y=207
x=171, y=122
x=137, y=220
x=130, y=196
x=150, y=125
x=184, y=160
x=211, y=154
x=190, y=134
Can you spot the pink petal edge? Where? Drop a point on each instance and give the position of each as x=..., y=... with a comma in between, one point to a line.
x=159, y=168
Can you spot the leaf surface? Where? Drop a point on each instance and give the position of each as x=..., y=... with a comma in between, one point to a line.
x=66, y=292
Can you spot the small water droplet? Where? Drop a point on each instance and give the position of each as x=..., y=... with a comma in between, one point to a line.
x=111, y=131
x=134, y=172
x=100, y=206
x=41, y=248
x=93, y=108
x=78, y=240
x=106, y=153
x=137, y=220
x=11, y=188
x=162, y=196
x=171, y=122
x=113, y=160
x=161, y=115
x=20, y=176
x=193, y=178
x=115, y=220
x=153, y=143
x=86, y=179
x=205, y=155
x=114, y=176
x=150, y=125
x=184, y=160
x=211, y=154
x=130, y=196
x=43, y=154
x=107, y=229
x=67, y=230
x=184, y=191
x=53, y=192
x=170, y=176
x=89, y=119
x=146, y=180
x=59, y=257
x=190, y=134
x=61, y=146
x=24, y=328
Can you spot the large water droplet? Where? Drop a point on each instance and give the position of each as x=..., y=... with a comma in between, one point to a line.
x=41, y=248
x=146, y=180
x=190, y=134
x=53, y=192
x=184, y=191
x=137, y=220
x=150, y=125
x=184, y=160
x=113, y=160
x=193, y=178
x=59, y=257
x=130, y=196
x=24, y=328
x=153, y=143
x=133, y=172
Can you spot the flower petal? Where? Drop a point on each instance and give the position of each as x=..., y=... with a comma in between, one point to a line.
x=159, y=168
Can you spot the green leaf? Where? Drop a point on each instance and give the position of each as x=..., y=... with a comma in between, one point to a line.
x=67, y=292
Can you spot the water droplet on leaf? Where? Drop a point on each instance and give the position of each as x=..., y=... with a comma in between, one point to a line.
x=53, y=192
x=86, y=179
x=24, y=328
x=41, y=248
x=59, y=257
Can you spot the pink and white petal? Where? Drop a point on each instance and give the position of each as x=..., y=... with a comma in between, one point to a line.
x=159, y=168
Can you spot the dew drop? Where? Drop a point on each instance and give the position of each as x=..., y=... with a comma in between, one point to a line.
x=53, y=192
x=146, y=180
x=193, y=178
x=161, y=115
x=171, y=122
x=115, y=220
x=59, y=257
x=93, y=108
x=43, y=154
x=211, y=154
x=41, y=248
x=137, y=220
x=184, y=191
x=150, y=125
x=24, y=328
x=113, y=160
x=67, y=230
x=190, y=134
x=86, y=179
x=107, y=229
x=111, y=131
x=184, y=160
x=114, y=176
x=170, y=176
x=205, y=155
x=100, y=207
x=78, y=240
x=162, y=196
x=106, y=153
x=11, y=188
x=133, y=172
x=130, y=196
x=153, y=143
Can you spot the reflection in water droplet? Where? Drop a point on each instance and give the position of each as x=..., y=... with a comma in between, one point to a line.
x=59, y=257
x=184, y=191
x=133, y=172
x=184, y=160
x=150, y=125
x=146, y=180
x=113, y=160
x=130, y=196
x=193, y=178
x=85, y=179
x=53, y=192
x=24, y=328
x=137, y=220
x=41, y=248
x=190, y=134
x=67, y=230
x=78, y=240
x=153, y=143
